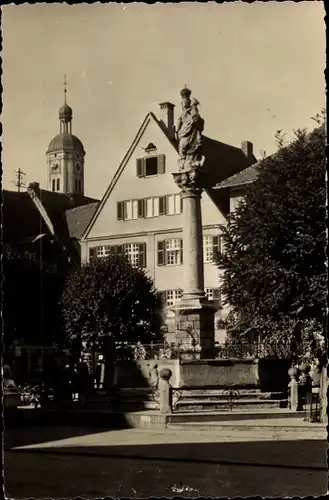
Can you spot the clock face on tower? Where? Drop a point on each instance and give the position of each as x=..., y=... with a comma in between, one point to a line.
x=54, y=167
x=78, y=168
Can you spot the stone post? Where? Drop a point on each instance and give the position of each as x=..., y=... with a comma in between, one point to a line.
x=293, y=388
x=165, y=391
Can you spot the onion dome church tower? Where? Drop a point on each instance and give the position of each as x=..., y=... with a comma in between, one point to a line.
x=65, y=156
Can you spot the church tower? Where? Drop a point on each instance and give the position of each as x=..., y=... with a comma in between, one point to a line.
x=65, y=156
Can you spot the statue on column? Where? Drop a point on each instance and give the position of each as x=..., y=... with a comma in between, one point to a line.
x=189, y=130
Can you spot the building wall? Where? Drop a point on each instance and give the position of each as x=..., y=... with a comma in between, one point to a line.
x=236, y=196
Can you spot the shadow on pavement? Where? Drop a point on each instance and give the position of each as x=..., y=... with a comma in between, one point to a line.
x=266, y=468
x=305, y=454
x=26, y=426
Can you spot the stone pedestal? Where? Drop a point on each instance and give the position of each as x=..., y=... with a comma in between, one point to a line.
x=194, y=313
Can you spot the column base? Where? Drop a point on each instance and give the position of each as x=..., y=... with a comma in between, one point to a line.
x=195, y=323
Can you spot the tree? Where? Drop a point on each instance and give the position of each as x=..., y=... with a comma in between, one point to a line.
x=107, y=301
x=274, y=261
x=30, y=301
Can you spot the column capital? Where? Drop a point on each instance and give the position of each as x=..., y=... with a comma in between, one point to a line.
x=189, y=181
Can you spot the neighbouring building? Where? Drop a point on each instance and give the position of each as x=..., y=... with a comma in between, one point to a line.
x=141, y=211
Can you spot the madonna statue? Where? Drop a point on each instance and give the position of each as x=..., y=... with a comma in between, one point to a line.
x=189, y=130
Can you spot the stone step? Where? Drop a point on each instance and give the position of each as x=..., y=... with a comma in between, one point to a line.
x=236, y=415
x=221, y=395
x=237, y=403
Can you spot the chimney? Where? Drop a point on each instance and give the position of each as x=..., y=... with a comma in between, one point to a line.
x=247, y=148
x=167, y=117
x=35, y=186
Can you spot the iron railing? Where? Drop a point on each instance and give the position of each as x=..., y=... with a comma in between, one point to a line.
x=190, y=351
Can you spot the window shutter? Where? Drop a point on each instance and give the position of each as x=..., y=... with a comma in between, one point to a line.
x=120, y=210
x=181, y=251
x=161, y=253
x=119, y=249
x=216, y=246
x=140, y=167
x=142, y=255
x=92, y=254
x=181, y=203
x=161, y=164
x=217, y=298
x=162, y=205
x=140, y=208
x=167, y=204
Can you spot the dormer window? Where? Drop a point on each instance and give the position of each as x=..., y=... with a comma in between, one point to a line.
x=150, y=147
x=150, y=165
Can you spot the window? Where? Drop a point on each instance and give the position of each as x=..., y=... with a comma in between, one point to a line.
x=152, y=207
x=53, y=185
x=174, y=204
x=172, y=297
x=103, y=251
x=136, y=253
x=58, y=184
x=128, y=210
x=150, y=165
x=146, y=207
x=214, y=295
x=211, y=247
x=170, y=252
x=78, y=185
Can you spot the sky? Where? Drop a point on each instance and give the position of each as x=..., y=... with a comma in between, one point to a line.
x=255, y=68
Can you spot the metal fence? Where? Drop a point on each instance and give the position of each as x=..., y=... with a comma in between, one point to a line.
x=189, y=351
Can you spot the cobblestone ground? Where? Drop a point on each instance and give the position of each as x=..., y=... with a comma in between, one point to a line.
x=134, y=463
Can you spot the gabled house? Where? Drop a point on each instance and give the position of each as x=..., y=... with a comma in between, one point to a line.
x=141, y=211
x=41, y=222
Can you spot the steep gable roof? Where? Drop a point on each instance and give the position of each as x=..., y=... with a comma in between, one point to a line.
x=150, y=117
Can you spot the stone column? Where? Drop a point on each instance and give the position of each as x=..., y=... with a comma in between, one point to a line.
x=193, y=276
x=194, y=313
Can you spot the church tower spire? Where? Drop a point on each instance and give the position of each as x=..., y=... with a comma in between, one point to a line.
x=65, y=114
x=65, y=155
